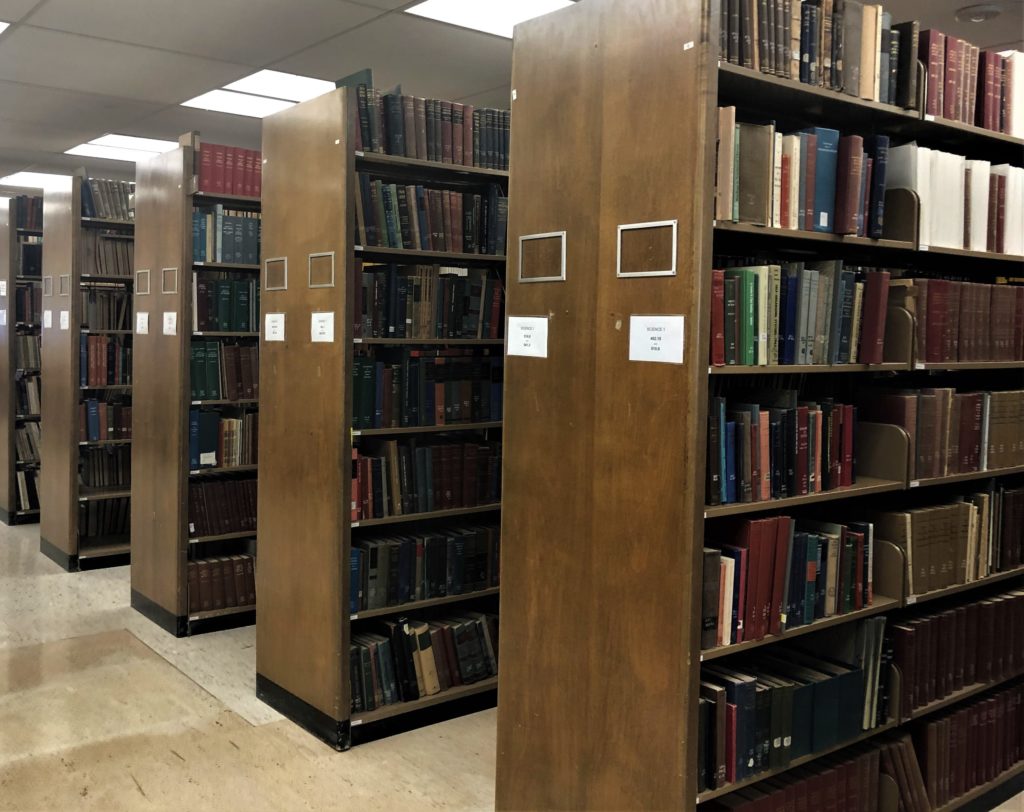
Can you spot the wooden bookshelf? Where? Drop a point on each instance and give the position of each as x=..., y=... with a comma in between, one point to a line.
x=599, y=446
x=66, y=275
x=1010, y=775
x=305, y=522
x=13, y=510
x=167, y=271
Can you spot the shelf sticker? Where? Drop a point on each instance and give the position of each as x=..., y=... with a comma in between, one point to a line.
x=274, y=327
x=3, y=287
x=3, y=317
x=657, y=339
x=321, y=328
x=142, y=324
x=47, y=319
x=528, y=336
x=208, y=458
x=170, y=323
x=65, y=319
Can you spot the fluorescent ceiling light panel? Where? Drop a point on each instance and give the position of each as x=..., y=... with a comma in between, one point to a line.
x=135, y=142
x=116, y=147
x=239, y=104
x=278, y=85
x=497, y=17
x=36, y=180
x=4, y=27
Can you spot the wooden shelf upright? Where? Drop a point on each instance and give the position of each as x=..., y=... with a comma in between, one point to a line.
x=305, y=621
x=66, y=277
x=166, y=271
x=16, y=504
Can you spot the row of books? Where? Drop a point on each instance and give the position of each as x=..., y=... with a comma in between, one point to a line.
x=27, y=483
x=942, y=652
x=431, y=129
x=798, y=313
x=959, y=542
x=26, y=442
x=964, y=204
x=843, y=45
x=224, y=582
x=219, y=441
x=395, y=570
x=27, y=351
x=226, y=170
x=765, y=576
x=812, y=180
x=427, y=301
x=426, y=388
x=953, y=432
x=769, y=710
x=778, y=447
x=104, y=420
x=221, y=506
x=968, y=747
x=107, y=254
x=28, y=212
x=108, y=199
x=104, y=360
x=226, y=235
x=105, y=467
x=420, y=218
x=223, y=304
x=407, y=477
x=219, y=370
x=28, y=304
x=104, y=519
x=104, y=309
x=406, y=659
x=30, y=257
x=28, y=395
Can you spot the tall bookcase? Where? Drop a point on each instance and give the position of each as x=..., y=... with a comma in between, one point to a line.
x=64, y=528
x=166, y=278
x=604, y=477
x=19, y=286
x=307, y=439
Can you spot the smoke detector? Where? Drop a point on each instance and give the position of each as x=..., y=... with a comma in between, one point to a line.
x=979, y=13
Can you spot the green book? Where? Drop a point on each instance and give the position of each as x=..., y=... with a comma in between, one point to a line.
x=225, y=321
x=197, y=370
x=240, y=300
x=746, y=344
x=731, y=303
x=213, y=370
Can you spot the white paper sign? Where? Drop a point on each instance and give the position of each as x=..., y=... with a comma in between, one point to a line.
x=322, y=328
x=47, y=319
x=656, y=338
x=274, y=330
x=208, y=458
x=170, y=323
x=3, y=287
x=3, y=317
x=65, y=319
x=142, y=324
x=528, y=336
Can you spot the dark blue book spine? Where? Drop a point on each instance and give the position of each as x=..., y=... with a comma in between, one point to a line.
x=378, y=396
x=193, y=439
x=878, y=148
x=93, y=417
x=805, y=45
x=826, y=160
x=83, y=360
x=406, y=570
x=730, y=462
x=792, y=284
x=497, y=388
x=724, y=495
x=197, y=246
x=355, y=581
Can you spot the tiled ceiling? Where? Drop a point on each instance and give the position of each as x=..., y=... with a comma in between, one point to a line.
x=71, y=70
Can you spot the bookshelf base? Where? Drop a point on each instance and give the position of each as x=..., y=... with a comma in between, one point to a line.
x=334, y=732
x=187, y=626
x=168, y=621
x=19, y=517
x=69, y=563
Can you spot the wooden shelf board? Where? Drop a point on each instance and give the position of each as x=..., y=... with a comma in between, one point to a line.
x=970, y=475
x=983, y=789
x=223, y=334
x=28, y=371
x=26, y=464
x=247, y=402
x=104, y=222
x=242, y=534
x=104, y=550
x=431, y=342
x=215, y=196
x=86, y=331
x=435, y=168
x=29, y=512
x=866, y=485
x=400, y=708
x=411, y=254
x=419, y=517
x=28, y=280
x=28, y=417
x=96, y=277
x=212, y=613
x=235, y=469
x=38, y=232
x=956, y=366
x=414, y=605
x=494, y=424
x=729, y=227
x=101, y=494
x=106, y=387
x=805, y=369
x=1015, y=259
x=797, y=762
x=959, y=127
x=881, y=604
x=995, y=578
x=101, y=443
x=957, y=696
x=224, y=266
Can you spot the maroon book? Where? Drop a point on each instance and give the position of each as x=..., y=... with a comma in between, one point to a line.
x=718, y=318
x=848, y=177
x=932, y=53
x=875, y=310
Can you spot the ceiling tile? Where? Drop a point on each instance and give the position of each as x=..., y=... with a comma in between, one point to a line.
x=74, y=62
x=66, y=107
x=427, y=58
x=219, y=128
x=1005, y=31
x=11, y=11
x=250, y=32
x=17, y=135
x=500, y=97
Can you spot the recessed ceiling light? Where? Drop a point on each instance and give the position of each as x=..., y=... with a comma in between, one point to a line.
x=497, y=17
x=116, y=147
x=239, y=104
x=979, y=13
x=4, y=27
x=37, y=180
x=135, y=142
x=278, y=85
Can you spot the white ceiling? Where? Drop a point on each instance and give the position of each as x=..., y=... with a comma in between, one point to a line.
x=72, y=70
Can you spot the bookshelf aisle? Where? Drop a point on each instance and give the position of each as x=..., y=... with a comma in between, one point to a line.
x=807, y=609
x=381, y=405
x=87, y=372
x=196, y=405
x=21, y=237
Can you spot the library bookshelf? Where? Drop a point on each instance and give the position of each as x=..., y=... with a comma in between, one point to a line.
x=19, y=285
x=604, y=473
x=168, y=272
x=69, y=278
x=307, y=439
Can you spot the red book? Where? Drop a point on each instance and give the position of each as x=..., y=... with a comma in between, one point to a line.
x=229, y=170
x=836, y=448
x=858, y=581
x=950, y=101
x=801, y=450
x=848, y=177
x=718, y=318
x=258, y=174
x=938, y=319
x=205, y=167
x=932, y=53
x=987, y=82
x=1000, y=213
x=239, y=177
x=847, y=477
x=218, y=169
x=810, y=159
x=446, y=132
x=873, y=319
x=730, y=743
x=750, y=540
x=766, y=473
x=866, y=200
x=1018, y=325
x=783, y=526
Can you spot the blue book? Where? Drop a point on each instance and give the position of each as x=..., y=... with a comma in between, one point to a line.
x=497, y=388
x=730, y=463
x=83, y=360
x=193, y=439
x=92, y=411
x=805, y=45
x=355, y=587
x=406, y=570
x=792, y=285
x=826, y=161
x=877, y=146
x=197, y=246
